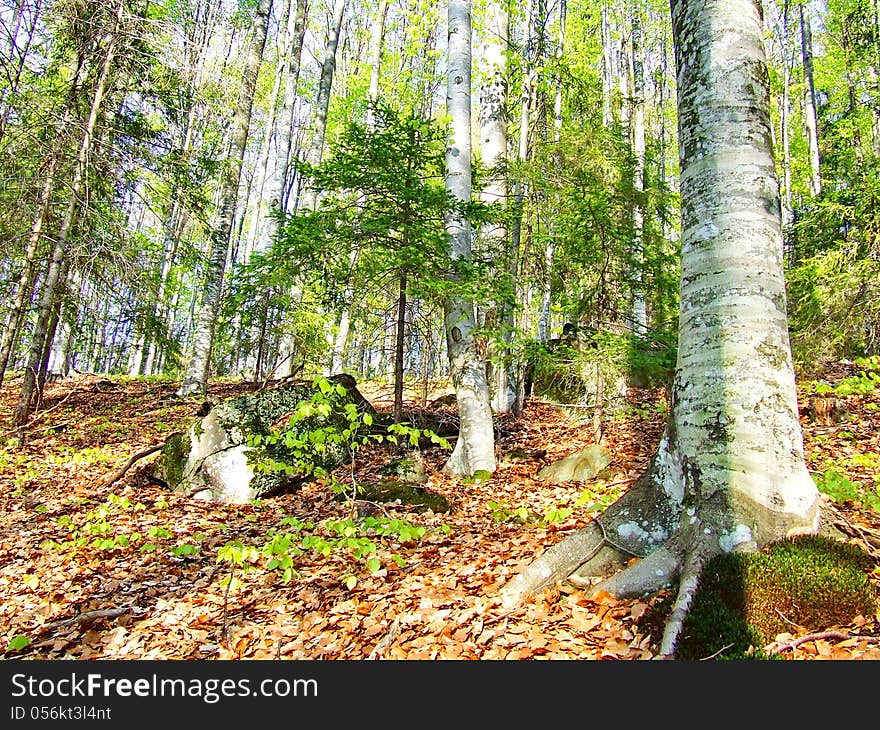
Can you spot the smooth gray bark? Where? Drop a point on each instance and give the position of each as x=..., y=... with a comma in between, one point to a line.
x=475, y=448
x=811, y=117
x=729, y=473
x=493, y=149
x=322, y=105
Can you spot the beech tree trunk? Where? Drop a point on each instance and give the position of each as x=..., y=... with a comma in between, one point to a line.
x=475, y=448
x=322, y=105
x=811, y=117
x=197, y=373
x=493, y=146
x=729, y=473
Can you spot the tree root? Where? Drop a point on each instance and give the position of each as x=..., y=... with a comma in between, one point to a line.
x=591, y=552
x=128, y=464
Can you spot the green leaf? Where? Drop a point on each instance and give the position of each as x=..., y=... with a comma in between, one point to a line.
x=374, y=565
x=351, y=582
x=17, y=643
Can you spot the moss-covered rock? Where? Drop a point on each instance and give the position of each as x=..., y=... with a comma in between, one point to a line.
x=746, y=599
x=578, y=467
x=412, y=494
x=213, y=459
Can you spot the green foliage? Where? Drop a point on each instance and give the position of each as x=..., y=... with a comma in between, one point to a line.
x=368, y=541
x=841, y=489
x=745, y=600
x=17, y=643
x=568, y=370
x=833, y=294
x=864, y=383
x=502, y=512
x=328, y=421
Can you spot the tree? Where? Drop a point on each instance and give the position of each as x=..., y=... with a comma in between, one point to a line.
x=379, y=223
x=196, y=378
x=55, y=274
x=729, y=473
x=475, y=448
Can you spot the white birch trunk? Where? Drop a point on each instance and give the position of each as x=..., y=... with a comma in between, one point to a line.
x=811, y=118
x=197, y=373
x=475, y=448
x=493, y=147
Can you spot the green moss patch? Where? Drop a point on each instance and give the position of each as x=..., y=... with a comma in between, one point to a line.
x=744, y=600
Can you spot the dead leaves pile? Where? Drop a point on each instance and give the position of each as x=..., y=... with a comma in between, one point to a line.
x=127, y=603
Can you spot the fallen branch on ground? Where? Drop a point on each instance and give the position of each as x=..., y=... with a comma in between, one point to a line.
x=136, y=457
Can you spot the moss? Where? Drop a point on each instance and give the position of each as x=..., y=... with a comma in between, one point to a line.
x=745, y=600
x=415, y=495
x=172, y=459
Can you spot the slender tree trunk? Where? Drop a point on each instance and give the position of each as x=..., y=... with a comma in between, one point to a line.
x=607, y=69
x=399, y=348
x=519, y=194
x=196, y=378
x=729, y=473
x=475, y=448
x=340, y=341
x=53, y=280
x=785, y=119
x=550, y=250
x=276, y=190
x=14, y=78
x=25, y=285
x=811, y=117
x=256, y=192
x=376, y=43
x=639, y=315
x=322, y=105
x=493, y=143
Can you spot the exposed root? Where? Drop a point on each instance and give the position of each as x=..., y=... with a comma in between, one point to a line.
x=687, y=587
x=648, y=575
x=128, y=464
x=594, y=553
x=554, y=564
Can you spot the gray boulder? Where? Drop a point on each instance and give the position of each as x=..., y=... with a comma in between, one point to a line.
x=213, y=461
x=578, y=467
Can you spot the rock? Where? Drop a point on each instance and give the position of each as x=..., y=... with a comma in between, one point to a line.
x=578, y=467
x=409, y=468
x=414, y=495
x=213, y=460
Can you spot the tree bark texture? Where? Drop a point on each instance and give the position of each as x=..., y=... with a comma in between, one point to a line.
x=196, y=378
x=475, y=448
x=729, y=473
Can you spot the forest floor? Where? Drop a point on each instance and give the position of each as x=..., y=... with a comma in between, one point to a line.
x=93, y=570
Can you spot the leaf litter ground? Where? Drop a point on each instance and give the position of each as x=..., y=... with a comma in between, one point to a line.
x=165, y=596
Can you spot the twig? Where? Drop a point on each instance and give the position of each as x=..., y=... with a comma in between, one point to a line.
x=779, y=647
x=720, y=651
x=385, y=641
x=136, y=457
x=88, y=617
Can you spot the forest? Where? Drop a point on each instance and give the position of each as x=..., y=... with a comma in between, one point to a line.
x=421, y=329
